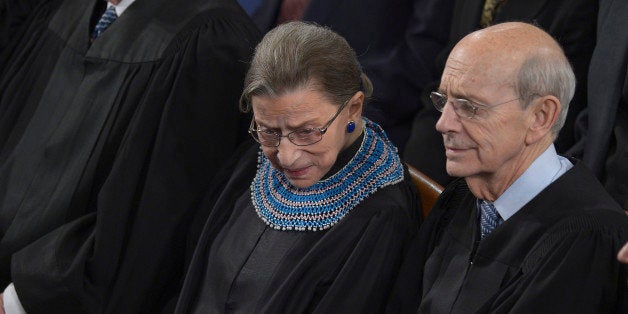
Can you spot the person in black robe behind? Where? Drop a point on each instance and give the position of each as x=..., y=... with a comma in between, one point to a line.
x=602, y=127
x=523, y=230
x=107, y=145
x=319, y=216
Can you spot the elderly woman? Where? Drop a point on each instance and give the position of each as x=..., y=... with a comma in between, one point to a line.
x=318, y=215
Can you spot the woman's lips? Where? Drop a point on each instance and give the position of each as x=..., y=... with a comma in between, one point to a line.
x=297, y=172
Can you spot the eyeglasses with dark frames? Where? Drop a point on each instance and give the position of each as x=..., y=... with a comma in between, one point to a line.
x=463, y=107
x=302, y=137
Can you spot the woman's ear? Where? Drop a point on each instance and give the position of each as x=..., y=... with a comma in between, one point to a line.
x=355, y=105
x=544, y=112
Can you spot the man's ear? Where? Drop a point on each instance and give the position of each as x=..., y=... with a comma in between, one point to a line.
x=543, y=112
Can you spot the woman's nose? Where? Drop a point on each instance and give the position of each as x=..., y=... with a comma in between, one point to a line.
x=288, y=153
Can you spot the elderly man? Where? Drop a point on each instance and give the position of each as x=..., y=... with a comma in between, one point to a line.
x=524, y=230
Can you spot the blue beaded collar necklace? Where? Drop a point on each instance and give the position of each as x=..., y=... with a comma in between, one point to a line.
x=318, y=207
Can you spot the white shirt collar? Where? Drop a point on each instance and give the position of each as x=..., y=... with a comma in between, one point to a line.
x=121, y=7
x=548, y=167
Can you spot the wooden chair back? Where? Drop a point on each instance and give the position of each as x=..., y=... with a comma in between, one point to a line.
x=429, y=190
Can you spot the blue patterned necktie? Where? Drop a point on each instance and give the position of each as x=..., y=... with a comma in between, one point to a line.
x=105, y=20
x=489, y=218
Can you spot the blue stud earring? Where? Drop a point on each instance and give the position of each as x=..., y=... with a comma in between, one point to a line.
x=350, y=127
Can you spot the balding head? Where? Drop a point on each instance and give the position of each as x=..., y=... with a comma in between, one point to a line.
x=523, y=56
x=519, y=38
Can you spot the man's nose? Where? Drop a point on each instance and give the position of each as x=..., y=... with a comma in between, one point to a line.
x=448, y=121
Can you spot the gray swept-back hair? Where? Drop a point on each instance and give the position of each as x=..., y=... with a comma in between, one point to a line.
x=298, y=54
x=547, y=74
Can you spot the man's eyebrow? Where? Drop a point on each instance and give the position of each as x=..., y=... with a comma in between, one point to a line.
x=451, y=94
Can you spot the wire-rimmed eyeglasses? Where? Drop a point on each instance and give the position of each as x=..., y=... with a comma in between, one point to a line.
x=302, y=137
x=463, y=107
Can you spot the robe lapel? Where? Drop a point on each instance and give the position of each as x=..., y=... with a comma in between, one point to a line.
x=136, y=36
x=140, y=35
x=64, y=23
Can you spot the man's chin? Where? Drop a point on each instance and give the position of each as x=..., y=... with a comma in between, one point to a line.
x=455, y=169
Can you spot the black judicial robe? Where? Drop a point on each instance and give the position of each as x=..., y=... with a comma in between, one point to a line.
x=242, y=265
x=13, y=13
x=556, y=255
x=106, y=148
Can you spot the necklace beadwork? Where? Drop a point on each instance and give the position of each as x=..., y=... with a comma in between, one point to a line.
x=283, y=206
